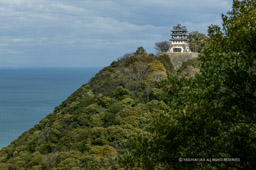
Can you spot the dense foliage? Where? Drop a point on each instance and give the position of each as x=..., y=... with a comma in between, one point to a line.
x=88, y=130
x=197, y=41
x=212, y=115
x=140, y=113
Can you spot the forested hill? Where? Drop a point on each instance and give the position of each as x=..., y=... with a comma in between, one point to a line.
x=140, y=113
x=88, y=130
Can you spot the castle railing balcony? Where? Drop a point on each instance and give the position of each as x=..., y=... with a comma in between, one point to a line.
x=185, y=40
x=179, y=34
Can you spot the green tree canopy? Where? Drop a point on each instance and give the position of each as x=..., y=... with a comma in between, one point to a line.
x=213, y=115
x=196, y=41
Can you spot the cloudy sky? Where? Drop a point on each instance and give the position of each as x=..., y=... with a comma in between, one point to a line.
x=89, y=33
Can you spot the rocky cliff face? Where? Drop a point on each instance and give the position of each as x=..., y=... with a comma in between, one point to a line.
x=178, y=58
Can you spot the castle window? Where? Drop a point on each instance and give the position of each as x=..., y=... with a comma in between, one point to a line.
x=176, y=49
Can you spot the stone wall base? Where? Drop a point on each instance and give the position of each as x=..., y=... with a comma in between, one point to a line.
x=178, y=58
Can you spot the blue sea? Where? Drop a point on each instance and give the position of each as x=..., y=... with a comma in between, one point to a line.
x=28, y=95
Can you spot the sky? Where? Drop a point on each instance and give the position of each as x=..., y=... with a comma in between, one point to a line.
x=93, y=33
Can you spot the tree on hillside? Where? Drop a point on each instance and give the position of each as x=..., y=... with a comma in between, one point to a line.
x=213, y=115
x=196, y=41
x=162, y=46
x=140, y=51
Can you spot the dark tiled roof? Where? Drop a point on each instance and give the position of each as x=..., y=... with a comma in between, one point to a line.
x=179, y=28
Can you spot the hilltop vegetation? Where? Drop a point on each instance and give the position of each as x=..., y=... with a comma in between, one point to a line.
x=140, y=113
x=88, y=130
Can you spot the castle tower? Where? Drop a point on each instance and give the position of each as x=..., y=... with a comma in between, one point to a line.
x=179, y=41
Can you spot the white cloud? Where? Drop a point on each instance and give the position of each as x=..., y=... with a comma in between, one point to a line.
x=42, y=27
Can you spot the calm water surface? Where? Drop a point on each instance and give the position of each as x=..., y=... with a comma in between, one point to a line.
x=28, y=95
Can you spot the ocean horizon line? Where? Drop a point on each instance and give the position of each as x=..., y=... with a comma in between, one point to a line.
x=24, y=68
